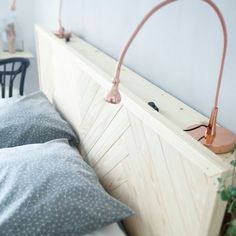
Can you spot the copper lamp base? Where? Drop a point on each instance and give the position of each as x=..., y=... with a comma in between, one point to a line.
x=61, y=33
x=223, y=141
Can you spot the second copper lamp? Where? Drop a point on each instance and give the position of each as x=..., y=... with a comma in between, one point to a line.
x=216, y=138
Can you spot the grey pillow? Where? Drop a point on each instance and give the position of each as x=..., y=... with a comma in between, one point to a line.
x=47, y=189
x=31, y=119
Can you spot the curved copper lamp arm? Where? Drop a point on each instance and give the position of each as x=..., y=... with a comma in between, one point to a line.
x=224, y=29
x=216, y=138
x=61, y=30
x=114, y=95
x=211, y=129
x=60, y=13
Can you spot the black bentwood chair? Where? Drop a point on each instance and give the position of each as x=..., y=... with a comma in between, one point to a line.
x=10, y=69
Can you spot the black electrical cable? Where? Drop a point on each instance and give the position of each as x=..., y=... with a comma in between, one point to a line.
x=196, y=127
x=201, y=138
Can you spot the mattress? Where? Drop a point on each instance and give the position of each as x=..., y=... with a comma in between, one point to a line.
x=110, y=230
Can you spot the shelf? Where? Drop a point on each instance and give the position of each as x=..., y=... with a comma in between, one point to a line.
x=24, y=54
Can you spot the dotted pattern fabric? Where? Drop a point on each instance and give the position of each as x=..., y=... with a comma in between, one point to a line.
x=31, y=119
x=48, y=190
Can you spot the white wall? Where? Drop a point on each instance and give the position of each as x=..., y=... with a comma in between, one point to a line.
x=25, y=19
x=179, y=49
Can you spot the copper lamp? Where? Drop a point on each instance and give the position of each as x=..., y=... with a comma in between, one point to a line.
x=61, y=33
x=216, y=138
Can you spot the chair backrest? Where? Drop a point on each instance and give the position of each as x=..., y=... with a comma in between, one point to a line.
x=10, y=69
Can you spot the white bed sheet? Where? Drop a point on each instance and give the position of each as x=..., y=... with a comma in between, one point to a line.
x=110, y=230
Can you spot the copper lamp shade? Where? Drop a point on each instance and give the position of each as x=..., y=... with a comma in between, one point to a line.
x=216, y=138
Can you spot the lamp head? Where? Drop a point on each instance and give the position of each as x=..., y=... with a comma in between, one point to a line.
x=113, y=96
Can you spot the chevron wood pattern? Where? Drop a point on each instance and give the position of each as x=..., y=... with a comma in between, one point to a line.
x=141, y=157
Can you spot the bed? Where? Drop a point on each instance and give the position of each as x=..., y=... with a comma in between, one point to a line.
x=142, y=157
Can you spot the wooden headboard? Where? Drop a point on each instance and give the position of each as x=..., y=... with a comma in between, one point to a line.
x=142, y=157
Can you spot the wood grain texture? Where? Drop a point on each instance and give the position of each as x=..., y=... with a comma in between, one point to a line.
x=141, y=157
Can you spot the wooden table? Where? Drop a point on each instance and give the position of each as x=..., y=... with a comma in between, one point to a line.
x=24, y=54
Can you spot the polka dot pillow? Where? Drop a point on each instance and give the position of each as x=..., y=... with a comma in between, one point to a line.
x=31, y=119
x=47, y=189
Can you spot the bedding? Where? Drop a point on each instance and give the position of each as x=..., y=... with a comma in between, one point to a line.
x=31, y=119
x=47, y=189
x=110, y=230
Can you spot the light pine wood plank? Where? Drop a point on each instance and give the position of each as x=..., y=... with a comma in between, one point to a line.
x=44, y=52
x=133, y=224
x=198, y=184
x=181, y=189
x=115, y=130
x=213, y=211
x=149, y=203
x=88, y=97
x=68, y=108
x=65, y=95
x=156, y=174
x=113, y=157
x=81, y=82
x=92, y=113
x=115, y=178
x=104, y=119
